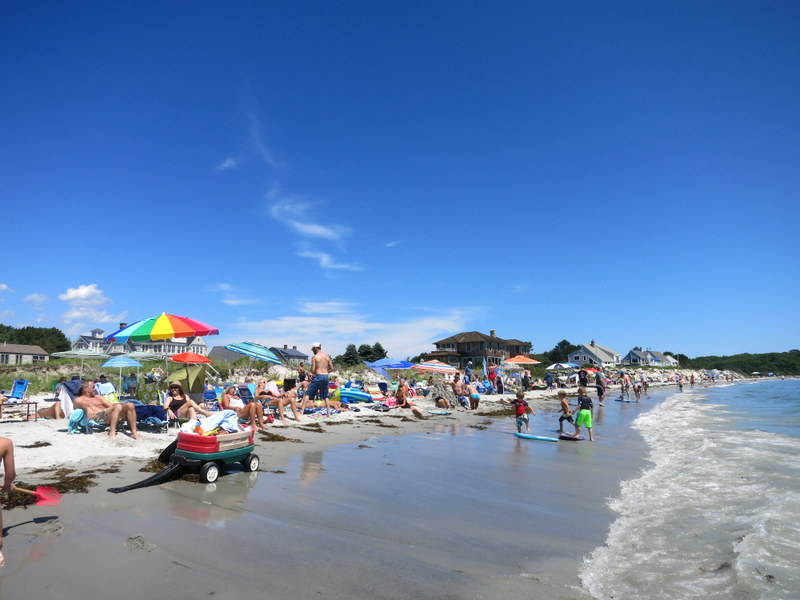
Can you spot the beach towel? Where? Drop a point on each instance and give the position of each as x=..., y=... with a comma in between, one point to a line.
x=78, y=423
x=226, y=419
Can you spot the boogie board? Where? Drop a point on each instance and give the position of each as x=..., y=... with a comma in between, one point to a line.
x=621, y=400
x=574, y=438
x=541, y=438
x=440, y=412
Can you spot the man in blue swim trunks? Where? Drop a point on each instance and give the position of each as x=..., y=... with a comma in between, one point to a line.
x=321, y=366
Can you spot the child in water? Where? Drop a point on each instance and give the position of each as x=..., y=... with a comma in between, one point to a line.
x=521, y=410
x=566, y=413
x=585, y=413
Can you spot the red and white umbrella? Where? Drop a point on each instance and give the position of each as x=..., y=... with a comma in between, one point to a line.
x=435, y=366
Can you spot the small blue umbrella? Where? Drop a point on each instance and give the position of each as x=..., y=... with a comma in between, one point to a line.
x=121, y=362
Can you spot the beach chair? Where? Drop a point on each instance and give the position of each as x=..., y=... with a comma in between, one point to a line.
x=375, y=392
x=16, y=397
x=18, y=390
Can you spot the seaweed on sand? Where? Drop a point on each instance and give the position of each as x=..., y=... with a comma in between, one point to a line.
x=36, y=445
x=268, y=436
x=314, y=427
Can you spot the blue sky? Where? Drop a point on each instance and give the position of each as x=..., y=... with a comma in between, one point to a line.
x=353, y=172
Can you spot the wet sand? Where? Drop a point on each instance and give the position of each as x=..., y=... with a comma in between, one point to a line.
x=457, y=507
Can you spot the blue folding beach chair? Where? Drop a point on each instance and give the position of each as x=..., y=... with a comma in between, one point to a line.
x=18, y=390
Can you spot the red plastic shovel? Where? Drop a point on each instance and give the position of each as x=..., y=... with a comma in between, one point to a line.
x=45, y=496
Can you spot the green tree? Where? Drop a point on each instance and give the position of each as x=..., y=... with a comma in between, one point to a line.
x=560, y=352
x=365, y=352
x=378, y=352
x=49, y=339
x=350, y=358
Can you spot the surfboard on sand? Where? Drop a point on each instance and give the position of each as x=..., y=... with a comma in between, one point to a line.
x=541, y=438
x=572, y=437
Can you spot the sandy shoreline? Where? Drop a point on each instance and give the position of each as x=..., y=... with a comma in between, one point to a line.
x=142, y=526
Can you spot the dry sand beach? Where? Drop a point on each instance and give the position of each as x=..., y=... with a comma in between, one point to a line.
x=305, y=525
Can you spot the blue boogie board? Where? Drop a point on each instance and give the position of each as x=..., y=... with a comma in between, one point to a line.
x=621, y=400
x=541, y=438
x=440, y=412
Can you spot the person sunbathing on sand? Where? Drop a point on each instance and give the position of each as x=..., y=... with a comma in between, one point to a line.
x=10, y=474
x=282, y=400
x=252, y=411
x=102, y=411
x=51, y=412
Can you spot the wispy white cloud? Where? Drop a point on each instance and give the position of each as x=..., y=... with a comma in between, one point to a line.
x=6, y=314
x=258, y=143
x=233, y=300
x=327, y=262
x=338, y=323
x=230, y=297
x=36, y=300
x=391, y=244
x=4, y=288
x=228, y=163
x=518, y=288
x=298, y=215
x=325, y=308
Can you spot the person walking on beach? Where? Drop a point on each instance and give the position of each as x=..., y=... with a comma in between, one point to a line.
x=102, y=411
x=600, y=386
x=468, y=372
x=566, y=412
x=625, y=386
x=585, y=413
x=521, y=410
x=321, y=367
x=460, y=391
x=9, y=475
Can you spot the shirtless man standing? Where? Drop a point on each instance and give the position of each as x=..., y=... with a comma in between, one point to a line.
x=106, y=413
x=321, y=366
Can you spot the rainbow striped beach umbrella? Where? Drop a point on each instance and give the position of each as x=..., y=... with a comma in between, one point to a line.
x=435, y=366
x=162, y=327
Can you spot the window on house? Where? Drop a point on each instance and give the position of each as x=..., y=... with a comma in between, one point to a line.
x=3, y=359
x=38, y=358
x=18, y=359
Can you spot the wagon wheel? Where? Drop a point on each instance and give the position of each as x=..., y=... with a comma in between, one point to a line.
x=251, y=463
x=209, y=472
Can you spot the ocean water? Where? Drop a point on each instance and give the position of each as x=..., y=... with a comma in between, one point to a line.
x=718, y=514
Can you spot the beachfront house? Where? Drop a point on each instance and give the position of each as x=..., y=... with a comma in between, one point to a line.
x=290, y=356
x=662, y=360
x=94, y=340
x=648, y=358
x=457, y=349
x=636, y=358
x=22, y=354
x=595, y=354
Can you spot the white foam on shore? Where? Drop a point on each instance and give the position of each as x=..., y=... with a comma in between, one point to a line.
x=714, y=517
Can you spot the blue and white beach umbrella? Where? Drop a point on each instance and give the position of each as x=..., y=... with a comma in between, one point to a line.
x=254, y=350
